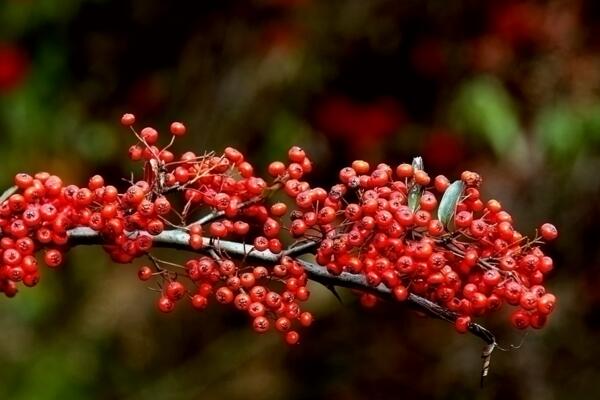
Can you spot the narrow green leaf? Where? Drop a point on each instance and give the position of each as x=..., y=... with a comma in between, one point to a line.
x=414, y=194
x=7, y=193
x=449, y=201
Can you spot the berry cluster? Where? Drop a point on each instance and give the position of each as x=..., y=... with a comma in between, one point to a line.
x=382, y=223
x=37, y=214
x=271, y=297
x=395, y=228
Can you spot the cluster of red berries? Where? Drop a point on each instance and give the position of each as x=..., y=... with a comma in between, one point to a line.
x=379, y=223
x=42, y=210
x=233, y=200
x=223, y=184
x=382, y=223
x=270, y=296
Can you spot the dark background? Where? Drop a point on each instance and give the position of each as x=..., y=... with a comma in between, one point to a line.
x=509, y=89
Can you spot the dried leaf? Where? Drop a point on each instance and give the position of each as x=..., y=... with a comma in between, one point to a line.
x=417, y=163
x=486, y=355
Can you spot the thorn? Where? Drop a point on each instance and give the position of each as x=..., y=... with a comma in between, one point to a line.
x=333, y=290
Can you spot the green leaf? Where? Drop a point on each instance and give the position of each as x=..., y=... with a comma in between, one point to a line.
x=559, y=131
x=449, y=201
x=484, y=108
x=7, y=193
x=414, y=194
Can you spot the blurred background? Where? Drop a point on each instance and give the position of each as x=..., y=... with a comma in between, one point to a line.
x=509, y=89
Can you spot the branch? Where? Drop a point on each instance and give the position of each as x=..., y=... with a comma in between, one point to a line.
x=179, y=239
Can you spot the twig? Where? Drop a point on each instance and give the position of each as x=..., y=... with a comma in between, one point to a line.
x=301, y=248
x=218, y=214
x=179, y=239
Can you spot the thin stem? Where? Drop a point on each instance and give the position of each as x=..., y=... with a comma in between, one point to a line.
x=218, y=214
x=301, y=248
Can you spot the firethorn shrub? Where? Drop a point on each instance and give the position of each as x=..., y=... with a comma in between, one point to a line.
x=395, y=227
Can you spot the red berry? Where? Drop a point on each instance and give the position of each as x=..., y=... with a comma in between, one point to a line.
x=278, y=209
x=538, y=320
x=400, y=293
x=175, y=290
x=11, y=257
x=283, y=324
x=463, y=219
x=32, y=279
x=155, y=227
x=135, y=153
x=520, y=319
x=150, y=135
x=23, y=181
x=296, y=154
x=548, y=232
x=368, y=300
x=256, y=309
x=165, y=304
x=546, y=304
x=224, y=295
x=177, y=129
x=306, y=319
x=292, y=338
x=196, y=242
x=127, y=119
x=260, y=324
x=404, y=171
x=275, y=246
x=261, y=243
x=421, y=177
x=53, y=258
x=162, y=206
x=242, y=301
x=144, y=273
x=258, y=293
x=199, y=302
x=217, y=229
x=441, y=183
x=462, y=324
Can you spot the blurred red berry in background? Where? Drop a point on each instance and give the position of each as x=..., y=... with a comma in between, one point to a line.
x=429, y=57
x=443, y=150
x=490, y=53
x=147, y=94
x=282, y=36
x=13, y=66
x=363, y=124
x=519, y=23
